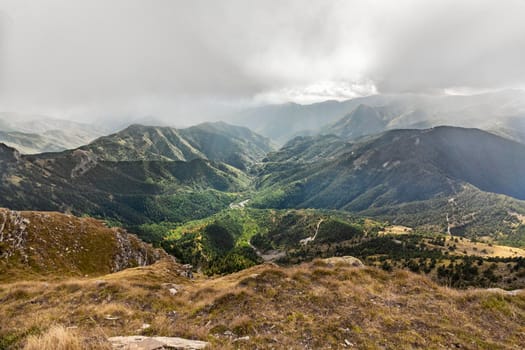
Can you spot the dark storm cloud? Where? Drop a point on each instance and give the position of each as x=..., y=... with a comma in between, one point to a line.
x=162, y=57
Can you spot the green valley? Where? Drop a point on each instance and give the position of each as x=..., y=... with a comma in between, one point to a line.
x=216, y=196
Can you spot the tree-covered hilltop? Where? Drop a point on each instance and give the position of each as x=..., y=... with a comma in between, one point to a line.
x=238, y=238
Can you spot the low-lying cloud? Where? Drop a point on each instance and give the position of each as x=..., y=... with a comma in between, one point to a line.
x=186, y=59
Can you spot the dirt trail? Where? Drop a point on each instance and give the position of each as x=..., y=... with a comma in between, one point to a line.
x=312, y=238
x=239, y=205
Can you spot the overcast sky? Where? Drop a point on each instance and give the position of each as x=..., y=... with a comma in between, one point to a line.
x=181, y=59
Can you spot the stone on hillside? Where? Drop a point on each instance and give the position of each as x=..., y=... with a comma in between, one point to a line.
x=505, y=292
x=343, y=260
x=172, y=288
x=101, y=283
x=245, y=338
x=154, y=343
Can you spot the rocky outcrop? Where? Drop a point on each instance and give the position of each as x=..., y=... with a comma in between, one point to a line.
x=13, y=234
x=131, y=251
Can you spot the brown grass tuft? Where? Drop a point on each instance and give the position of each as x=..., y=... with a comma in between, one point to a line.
x=302, y=306
x=56, y=338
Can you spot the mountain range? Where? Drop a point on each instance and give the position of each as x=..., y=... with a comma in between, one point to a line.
x=32, y=134
x=356, y=203
x=236, y=146
x=137, y=174
x=414, y=177
x=444, y=178
x=501, y=112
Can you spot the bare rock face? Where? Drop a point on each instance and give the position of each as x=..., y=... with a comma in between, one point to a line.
x=155, y=343
x=13, y=234
x=344, y=261
x=132, y=252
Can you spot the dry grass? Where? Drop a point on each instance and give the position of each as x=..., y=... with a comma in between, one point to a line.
x=309, y=306
x=484, y=249
x=116, y=304
x=56, y=338
x=396, y=230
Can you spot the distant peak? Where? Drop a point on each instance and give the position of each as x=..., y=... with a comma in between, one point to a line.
x=6, y=149
x=8, y=153
x=142, y=127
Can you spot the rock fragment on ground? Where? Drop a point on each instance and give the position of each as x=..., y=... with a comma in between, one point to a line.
x=343, y=260
x=155, y=343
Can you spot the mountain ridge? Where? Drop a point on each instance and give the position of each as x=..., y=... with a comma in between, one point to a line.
x=392, y=168
x=236, y=146
x=502, y=112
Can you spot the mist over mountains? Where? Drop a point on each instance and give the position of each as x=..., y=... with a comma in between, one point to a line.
x=262, y=175
x=501, y=112
x=36, y=134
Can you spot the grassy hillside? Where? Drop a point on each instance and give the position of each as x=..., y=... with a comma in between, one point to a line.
x=315, y=305
x=50, y=245
x=412, y=177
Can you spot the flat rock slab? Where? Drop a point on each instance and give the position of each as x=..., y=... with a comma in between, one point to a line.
x=506, y=292
x=344, y=261
x=154, y=343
